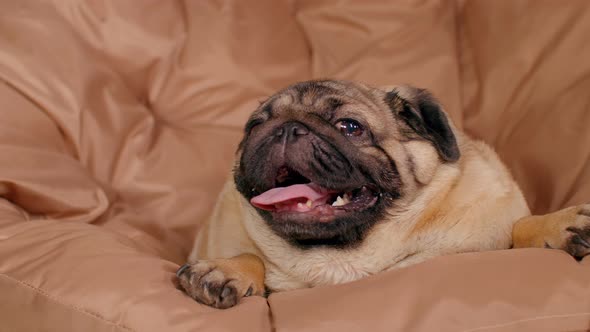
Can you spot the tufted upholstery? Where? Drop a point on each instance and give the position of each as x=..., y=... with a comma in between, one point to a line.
x=119, y=120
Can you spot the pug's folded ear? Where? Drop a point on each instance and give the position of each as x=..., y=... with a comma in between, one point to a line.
x=424, y=118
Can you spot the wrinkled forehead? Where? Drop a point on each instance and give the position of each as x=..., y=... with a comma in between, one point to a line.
x=322, y=95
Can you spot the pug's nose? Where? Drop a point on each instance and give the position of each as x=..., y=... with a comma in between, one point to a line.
x=290, y=131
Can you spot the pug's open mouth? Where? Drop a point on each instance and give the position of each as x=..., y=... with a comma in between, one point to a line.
x=299, y=199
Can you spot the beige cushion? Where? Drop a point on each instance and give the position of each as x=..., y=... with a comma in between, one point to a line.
x=119, y=121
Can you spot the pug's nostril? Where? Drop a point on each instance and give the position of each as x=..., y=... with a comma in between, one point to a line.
x=279, y=132
x=292, y=130
x=299, y=131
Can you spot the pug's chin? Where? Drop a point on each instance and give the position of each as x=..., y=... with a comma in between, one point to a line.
x=325, y=213
x=310, y=211
x=325, y=207
x=337, y=227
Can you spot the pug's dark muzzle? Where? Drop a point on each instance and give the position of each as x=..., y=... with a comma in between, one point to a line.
x=310, y=184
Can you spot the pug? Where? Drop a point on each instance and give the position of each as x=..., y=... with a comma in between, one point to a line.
x=337, y=180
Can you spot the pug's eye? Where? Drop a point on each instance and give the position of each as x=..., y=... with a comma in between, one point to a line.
x=350, y=127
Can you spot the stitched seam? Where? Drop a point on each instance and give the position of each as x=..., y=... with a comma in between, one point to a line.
x=458, y=12
x=71, y=306
x=481, y=328
x=271, y=317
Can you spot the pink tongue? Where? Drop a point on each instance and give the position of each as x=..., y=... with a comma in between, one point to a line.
x=304, y=192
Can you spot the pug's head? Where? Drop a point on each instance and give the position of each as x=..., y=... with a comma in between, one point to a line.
x=324, y=161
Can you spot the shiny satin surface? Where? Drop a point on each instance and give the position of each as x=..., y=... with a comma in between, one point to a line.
x=119, y=121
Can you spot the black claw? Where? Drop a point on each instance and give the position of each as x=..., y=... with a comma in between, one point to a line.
x=249, y=292
x=227, y=297
x=209, y=287
x=577, y=239
x=182, y=269
x=227, y=290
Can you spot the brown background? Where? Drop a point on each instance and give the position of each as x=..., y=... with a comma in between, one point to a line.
x=119, y=120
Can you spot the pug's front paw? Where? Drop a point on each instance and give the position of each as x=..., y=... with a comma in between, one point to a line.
x=222, y=283
x=577, y=238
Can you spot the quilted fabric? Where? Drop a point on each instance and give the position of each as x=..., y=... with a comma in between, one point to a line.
x=119, y=121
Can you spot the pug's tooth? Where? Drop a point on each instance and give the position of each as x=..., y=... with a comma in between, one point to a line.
x=309, y=202
x=339, y=202
x=300, y=205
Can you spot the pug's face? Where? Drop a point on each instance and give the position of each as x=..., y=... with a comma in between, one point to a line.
x=324, y=161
